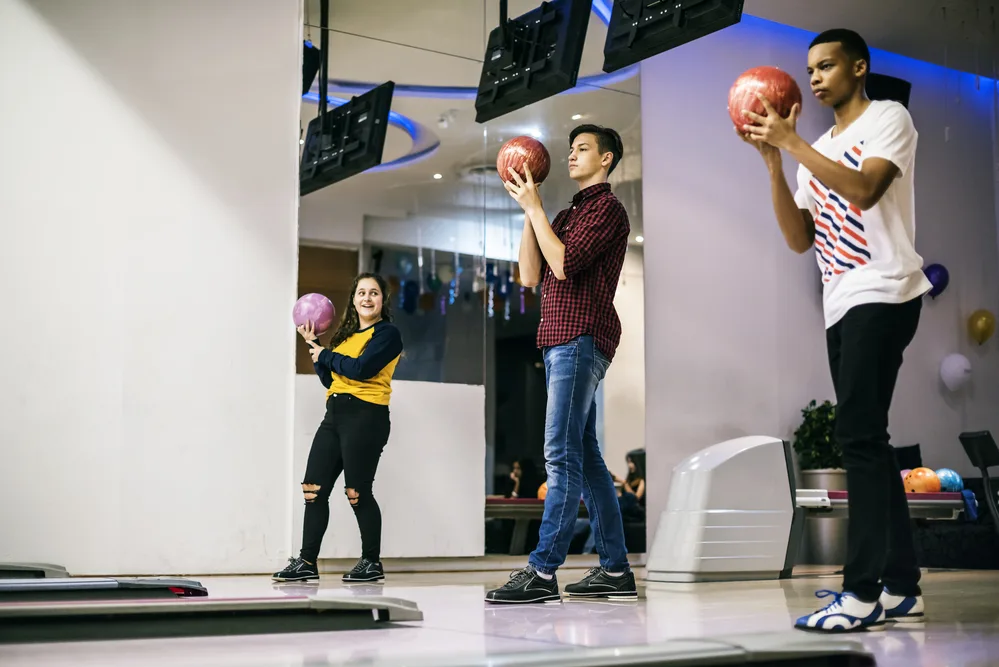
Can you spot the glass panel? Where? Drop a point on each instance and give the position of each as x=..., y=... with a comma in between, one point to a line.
x=418, y=218
x=515, y=374
x=435, y=220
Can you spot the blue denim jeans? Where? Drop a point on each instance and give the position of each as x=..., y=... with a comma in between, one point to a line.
x=573, y=460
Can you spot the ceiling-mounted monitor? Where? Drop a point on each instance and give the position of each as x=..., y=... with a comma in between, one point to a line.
x=531, y=57
x=640, y=29
x=346, y=140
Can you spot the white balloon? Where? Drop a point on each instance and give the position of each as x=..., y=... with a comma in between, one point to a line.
x=955, y=371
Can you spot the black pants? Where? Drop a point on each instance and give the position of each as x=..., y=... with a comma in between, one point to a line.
x=865, y=354
x=350, y=440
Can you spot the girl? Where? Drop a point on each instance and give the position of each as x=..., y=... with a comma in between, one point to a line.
x=357, y=372
x=635, y=482
x=631, y=496
x=525, y=478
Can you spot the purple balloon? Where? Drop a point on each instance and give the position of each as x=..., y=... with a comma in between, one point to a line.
x=314, y=307
x=937, y=274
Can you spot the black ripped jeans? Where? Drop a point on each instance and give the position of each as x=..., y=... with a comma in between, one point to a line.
x=865, y=354
x=350, y=440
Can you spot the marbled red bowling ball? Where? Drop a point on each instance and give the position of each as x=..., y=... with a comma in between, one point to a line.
x=776, y=85
x=519, y=150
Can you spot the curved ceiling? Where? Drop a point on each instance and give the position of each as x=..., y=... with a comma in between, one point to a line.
x=434, y=44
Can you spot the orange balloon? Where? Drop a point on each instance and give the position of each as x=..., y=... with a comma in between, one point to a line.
x=543, y=491
x=922, y=480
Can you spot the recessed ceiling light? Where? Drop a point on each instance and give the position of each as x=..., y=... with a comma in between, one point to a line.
x=535, y=132
x=639, y=239
x=438, y=177
x=577, y=116
x=301, y=141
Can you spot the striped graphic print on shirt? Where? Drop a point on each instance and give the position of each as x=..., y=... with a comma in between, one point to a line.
x=840, y=240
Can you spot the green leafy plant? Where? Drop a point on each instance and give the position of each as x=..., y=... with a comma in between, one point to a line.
x=814, y=442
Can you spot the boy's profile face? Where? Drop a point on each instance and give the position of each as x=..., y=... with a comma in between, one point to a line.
x=834, y=76
x=585, y=159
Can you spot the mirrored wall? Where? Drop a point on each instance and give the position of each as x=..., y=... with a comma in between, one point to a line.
x=435, y=220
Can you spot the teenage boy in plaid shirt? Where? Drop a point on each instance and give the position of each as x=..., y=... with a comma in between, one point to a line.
x=577, y=259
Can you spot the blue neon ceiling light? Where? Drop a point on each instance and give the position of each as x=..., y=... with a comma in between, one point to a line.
x=602, y=8
x=425, y=141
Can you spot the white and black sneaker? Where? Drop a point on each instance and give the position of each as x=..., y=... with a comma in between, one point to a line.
x=297, y=570
x=846, y=613
x=365, y=571
x=525, y=587
x=599, y=584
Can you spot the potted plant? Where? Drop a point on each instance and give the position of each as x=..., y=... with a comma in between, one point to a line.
x=821, y=462
x=819, y=456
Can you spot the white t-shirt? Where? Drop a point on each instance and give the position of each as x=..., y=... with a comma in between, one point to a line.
x=866, y=256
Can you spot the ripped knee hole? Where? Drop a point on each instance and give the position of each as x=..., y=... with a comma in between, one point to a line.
x=310, y=491
x=352, y=496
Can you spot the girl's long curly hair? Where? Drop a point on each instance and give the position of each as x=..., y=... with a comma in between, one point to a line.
x=350, y=323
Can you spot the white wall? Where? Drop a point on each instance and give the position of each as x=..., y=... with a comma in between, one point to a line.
x=147, y=274
x=429, y=484
x=327, y=222
x=624, y=385
x=736, y=317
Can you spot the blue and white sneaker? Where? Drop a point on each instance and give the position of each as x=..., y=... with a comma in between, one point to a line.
x=846, y=613
x=902, y=609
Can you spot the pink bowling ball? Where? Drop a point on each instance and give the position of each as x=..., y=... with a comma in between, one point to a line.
x=315, y=308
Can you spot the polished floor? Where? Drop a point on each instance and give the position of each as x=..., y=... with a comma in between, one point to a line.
x=962, y=625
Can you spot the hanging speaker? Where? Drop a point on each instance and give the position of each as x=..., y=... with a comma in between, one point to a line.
x=884, y=87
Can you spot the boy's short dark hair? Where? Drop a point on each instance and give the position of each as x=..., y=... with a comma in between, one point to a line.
x=608, y=141
x=853, y=44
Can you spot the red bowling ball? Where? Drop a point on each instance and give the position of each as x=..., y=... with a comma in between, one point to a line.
x=776, y=85
x=520, y=150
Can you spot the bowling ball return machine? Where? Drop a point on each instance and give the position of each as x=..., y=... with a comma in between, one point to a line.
x=735, y=514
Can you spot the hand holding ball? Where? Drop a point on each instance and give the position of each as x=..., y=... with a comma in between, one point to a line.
x=314, y=308
x=524, y=150
x=779, y=89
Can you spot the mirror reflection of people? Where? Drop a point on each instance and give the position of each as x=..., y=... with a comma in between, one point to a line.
x=525, y=479
x=634, y=483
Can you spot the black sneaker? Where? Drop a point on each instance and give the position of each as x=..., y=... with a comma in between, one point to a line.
x=525, y=587
x=297, y=570
x=365, y=570
x=598, y=584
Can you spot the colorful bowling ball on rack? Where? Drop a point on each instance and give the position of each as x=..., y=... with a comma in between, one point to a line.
x=906, y=472
x=950, y=481
x=922, y=480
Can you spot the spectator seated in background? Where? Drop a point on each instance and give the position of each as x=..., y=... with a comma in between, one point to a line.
x=631, y=494
x=525, y=479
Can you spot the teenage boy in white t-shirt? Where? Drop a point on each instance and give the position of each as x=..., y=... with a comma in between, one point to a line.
x=854, y=206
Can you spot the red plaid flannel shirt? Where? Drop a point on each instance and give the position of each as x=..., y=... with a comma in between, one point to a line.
x=595, y=232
